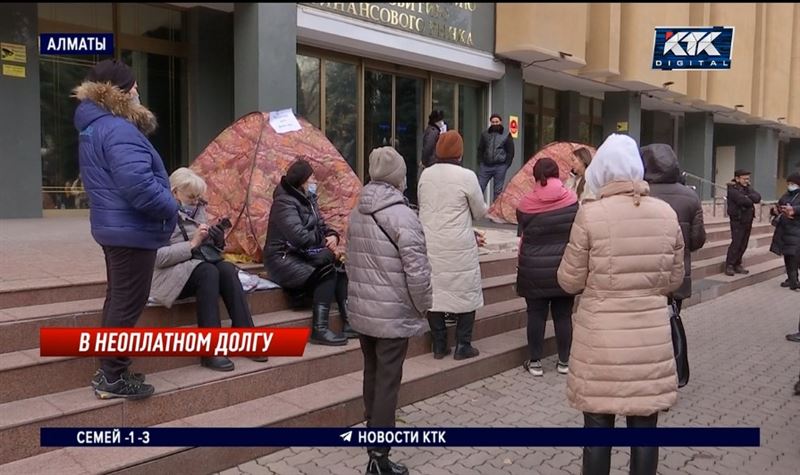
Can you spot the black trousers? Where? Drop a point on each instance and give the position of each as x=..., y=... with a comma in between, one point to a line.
x=210, y=281
x=792, y=264
x=597, y=460
x=561, y=308
x=332, y=286
x=383, y=371
x=129, y=273
x=740, y=237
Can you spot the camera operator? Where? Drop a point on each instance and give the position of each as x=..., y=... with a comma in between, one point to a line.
x=192, y=265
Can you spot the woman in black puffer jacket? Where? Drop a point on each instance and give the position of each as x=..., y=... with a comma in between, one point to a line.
x=786, y=240
x=299, y=252
x=545, y=217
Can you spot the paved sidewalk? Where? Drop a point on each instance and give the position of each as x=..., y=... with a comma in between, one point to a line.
x=743, y=372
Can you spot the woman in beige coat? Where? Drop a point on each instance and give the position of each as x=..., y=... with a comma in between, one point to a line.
x=449, y=200
x=626, y=255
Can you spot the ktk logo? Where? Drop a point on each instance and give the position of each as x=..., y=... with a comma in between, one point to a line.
x=682, y=48
x=696, y=43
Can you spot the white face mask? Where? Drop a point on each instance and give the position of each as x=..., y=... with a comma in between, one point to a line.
x=793, y=187
x=442, y=126
x=312, y=188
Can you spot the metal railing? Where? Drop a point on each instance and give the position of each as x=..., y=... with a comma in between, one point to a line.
x=717, y=199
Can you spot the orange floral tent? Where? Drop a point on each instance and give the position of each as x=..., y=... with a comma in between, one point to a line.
x=243, y=166
x=504, y=209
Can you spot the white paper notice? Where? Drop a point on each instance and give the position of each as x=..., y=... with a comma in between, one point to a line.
x=284, y=121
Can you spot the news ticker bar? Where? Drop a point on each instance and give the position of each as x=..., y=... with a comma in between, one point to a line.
x=401, y=437
x=136, y=342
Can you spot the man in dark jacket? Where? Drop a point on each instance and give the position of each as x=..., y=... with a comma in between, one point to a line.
x=496, y=153
x=431, y=136
x=741, y=209
x=664, y=176
x=132, y=210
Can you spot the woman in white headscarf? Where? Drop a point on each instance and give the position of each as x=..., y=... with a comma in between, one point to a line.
x=626, y=255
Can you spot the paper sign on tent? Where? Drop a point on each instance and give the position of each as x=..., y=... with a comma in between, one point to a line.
x=283, y=121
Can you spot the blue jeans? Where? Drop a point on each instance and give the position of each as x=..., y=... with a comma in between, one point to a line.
x=487, y=172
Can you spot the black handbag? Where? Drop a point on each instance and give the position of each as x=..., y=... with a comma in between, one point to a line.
x=206, y=251
x=679, y=345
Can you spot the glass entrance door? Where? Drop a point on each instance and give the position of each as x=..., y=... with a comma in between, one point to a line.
x=393, y=109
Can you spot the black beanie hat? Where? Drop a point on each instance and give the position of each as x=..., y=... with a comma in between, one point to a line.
x=298, y=173
x=116, y=72
x=794, y=178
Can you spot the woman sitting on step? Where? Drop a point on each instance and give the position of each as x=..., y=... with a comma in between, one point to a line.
x=182, y=271
x=300, y=253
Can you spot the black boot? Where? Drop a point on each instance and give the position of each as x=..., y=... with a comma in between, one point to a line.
x=379, y=464
x=320, y=333
x=347, y=330
x=740, y=270
x=464, y=348
x=217, y=363
x=439, y=335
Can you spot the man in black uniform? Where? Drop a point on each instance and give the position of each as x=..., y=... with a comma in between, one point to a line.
x=741, y=209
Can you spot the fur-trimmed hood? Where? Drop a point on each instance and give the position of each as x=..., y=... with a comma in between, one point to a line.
x=118, y=103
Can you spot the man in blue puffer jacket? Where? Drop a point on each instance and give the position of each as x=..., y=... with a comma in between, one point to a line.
x=133, y=212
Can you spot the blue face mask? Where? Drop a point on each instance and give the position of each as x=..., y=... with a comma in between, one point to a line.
x=312, y=188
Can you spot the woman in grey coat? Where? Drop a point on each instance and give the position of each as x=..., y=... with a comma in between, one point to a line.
x=178, y=274
x=389, y=290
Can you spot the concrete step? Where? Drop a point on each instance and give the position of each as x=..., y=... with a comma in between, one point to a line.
x=187, y=391
x=91, y=289
x=19, y=327
x=718, y=285
x=492, y=265
x=334, y=402
x=716, y=265
x=720, y=248
x=722, y=231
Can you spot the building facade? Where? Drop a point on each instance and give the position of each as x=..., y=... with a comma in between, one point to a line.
x=368, y=74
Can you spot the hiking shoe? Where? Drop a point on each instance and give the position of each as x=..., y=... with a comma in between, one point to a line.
x=533, y=367
x=380, y=464
x=127, y=374
x=122, y=388
x=729, y=271
x=563, y=368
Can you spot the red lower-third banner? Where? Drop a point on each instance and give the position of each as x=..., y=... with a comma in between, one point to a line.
x=173, y=341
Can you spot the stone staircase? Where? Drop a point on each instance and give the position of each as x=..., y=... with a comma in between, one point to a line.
x=321, y=388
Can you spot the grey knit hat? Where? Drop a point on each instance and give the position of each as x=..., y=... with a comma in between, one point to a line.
x=388, y=166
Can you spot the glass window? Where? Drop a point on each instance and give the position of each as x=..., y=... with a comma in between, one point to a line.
x=308, y=99
x=583, y=106
x=549, y=130
x=150, y=21
x=341, y=90
x=597, y=135
x=550, y=99
x=161, y=80
x=408, y=125
x=444, y=96
x=597, y=109
x=377, y=111
x=531, y=94
x=470, y=121
x=57, y=76
x=531, y=136
x=584, y=135
x=97, y=16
